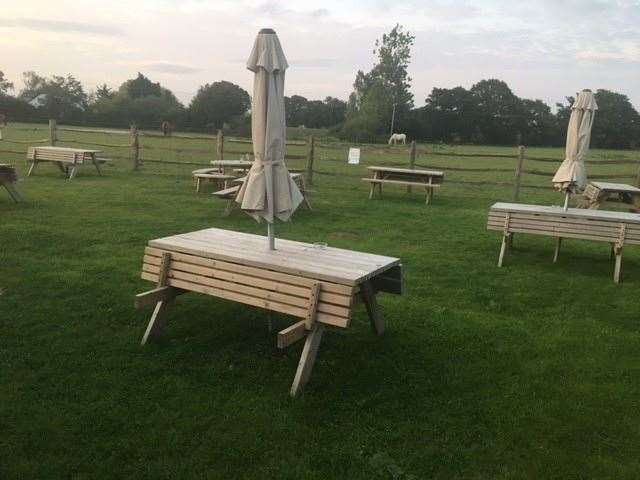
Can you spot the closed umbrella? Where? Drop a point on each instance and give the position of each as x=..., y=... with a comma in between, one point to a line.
x=571, y=177
x=268, y=191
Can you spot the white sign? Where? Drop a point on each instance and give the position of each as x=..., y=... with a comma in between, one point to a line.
x=354, y=156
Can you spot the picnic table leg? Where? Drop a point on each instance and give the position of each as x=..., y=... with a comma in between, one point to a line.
x=556, y=253
x=13, y=193
x=95, y=163
x=198, y=185
x=371, y=305
x=503, y=248
x=618, y=265
x=32, y=167
x=308, y=358
x=373, y=185
x=72, y=174
x=158, y=319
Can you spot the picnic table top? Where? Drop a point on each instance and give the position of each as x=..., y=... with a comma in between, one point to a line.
x=346, y=267
x=432, y=173
x=616, y=187
x=606, y=215
x=232, y=163
x=68, y=149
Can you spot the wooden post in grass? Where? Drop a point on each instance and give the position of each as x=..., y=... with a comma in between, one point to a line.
x=52, y=132
x=135, y=147
x=638, y=175
x=310, y=154
x=516, y=191
x=220, y=145
x=412, y=160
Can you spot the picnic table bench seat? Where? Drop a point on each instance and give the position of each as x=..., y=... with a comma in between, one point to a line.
x=409, y=177
x=230, y=193
x=64, y=158
x=618, y=229
x=8, y=179
x=316, y=286
x=212, y=175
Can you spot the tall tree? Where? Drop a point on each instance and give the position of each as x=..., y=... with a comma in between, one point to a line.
x=60, y=97
x=5, y=85
x=501, y=114
x=217, y=103
x=141, y=86
x=385, y=85
x=103, y=92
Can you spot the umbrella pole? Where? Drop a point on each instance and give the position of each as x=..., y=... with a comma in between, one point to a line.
x=566, y=200
x=270, y=237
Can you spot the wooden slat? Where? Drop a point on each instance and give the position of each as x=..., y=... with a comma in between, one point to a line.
x=499, y=216
x=327, y=287
x=402, y=182
x=257, y=292
x=249, y=300
x=291, y=334
x=605, y=215
x=597, y=231
x=156, y=295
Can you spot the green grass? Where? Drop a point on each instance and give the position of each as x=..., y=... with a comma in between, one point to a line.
x=529, y=371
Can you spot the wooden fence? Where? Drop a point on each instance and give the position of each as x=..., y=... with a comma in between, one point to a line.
x=317, y=157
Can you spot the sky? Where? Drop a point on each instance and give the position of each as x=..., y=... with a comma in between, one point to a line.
x=544, y=49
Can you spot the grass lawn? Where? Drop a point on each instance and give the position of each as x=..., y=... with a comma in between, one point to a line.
x=529, y=371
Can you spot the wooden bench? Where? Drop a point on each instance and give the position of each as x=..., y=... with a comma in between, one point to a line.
x=63, y=157
x=596, y=193
x=316, y=286
x=230, y=193
x=410, y=177
x=211, y=175
x=615, y=228
x=8, y=179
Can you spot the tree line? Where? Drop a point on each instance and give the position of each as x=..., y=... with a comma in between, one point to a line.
x=148, y=104
x=487, y=113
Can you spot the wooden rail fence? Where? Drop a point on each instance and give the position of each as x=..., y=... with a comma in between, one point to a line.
x=132, y=147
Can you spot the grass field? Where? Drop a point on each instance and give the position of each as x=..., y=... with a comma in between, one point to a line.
x=529, y=371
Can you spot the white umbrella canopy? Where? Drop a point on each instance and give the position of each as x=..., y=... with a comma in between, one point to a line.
x=268, y=191
x=571, y=177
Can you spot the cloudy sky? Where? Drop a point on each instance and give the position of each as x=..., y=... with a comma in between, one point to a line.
x=544, y=49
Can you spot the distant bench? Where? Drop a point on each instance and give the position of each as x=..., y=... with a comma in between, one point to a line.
x=427, y=179
x=64, y=158
x=616, y=228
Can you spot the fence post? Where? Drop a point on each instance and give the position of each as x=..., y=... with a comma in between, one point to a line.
x=310, y=154
x=135, y=147
x=516, y=191
x=52, y=132
x=220, y=145
x=412, y=160
x=638, y=175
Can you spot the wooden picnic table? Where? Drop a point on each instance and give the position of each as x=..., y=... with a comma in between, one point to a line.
x=616, y=228
x=8, y=179
x=427, y=179
x=316, y=284
x=63, y=157
x=597, y=193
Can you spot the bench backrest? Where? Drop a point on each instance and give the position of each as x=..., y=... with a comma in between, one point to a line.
x=43, y=154
x=582, y=227
x=259, y=287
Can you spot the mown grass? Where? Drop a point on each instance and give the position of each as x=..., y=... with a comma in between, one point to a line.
x=529, y=371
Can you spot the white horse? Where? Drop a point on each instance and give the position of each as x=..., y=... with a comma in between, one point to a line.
x=398, y=137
